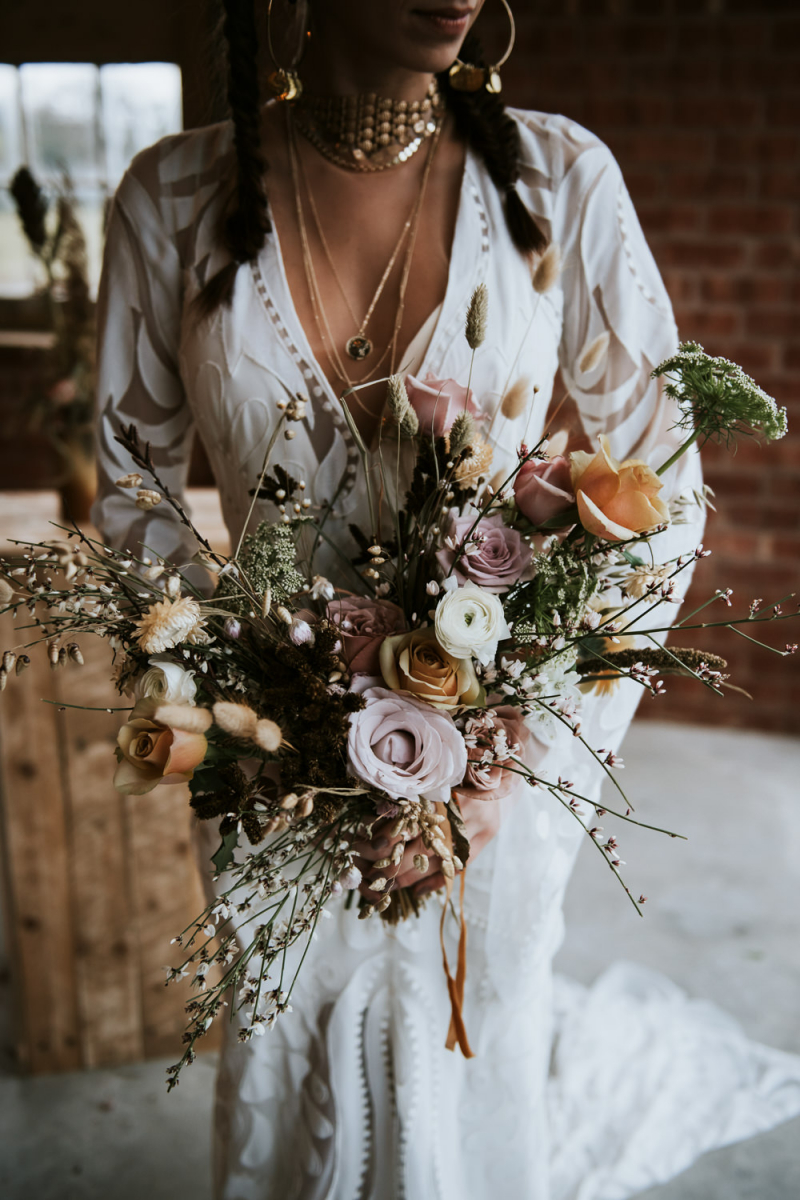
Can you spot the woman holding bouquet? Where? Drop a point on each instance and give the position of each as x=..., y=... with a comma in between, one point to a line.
x=319, y=242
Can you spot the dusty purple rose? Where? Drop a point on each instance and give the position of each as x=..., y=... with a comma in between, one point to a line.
x=502, y=732
x=499, y=559
x=543, y=490
x=405, y=747
x=364, y=624
x=437, y=403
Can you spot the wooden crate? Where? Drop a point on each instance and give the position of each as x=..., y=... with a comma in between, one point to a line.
x=95, y=884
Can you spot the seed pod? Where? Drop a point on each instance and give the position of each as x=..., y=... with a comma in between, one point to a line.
x=290, y=800
x=448, y=870
x=379, y=884
x=397, y=854
x=3, y=679
x=382, y=864
x=421, y=863
x=397, y=826
x=366, y=912
x=52, y=654
x=62, y=656
x=384, y=904
x=306, y=806
x=74, y=651
x=22, y=662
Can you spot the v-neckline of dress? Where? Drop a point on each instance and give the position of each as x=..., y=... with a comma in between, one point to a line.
x=283, y=311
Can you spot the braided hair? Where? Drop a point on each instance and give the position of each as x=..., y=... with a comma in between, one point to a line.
x=246, y=222
x=480, y=117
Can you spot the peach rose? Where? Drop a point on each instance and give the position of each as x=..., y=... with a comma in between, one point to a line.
x=437, y=403
x=616, y=500
x=153, y=753
x=416, y=663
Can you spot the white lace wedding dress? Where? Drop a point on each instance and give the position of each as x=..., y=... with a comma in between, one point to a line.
x=572, y=1095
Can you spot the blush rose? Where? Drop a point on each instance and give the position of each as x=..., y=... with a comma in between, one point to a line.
x=493, y=729
x=543, y=490
x=363, y=624
x=498, y=558
x=437, y=403
x=404, y=747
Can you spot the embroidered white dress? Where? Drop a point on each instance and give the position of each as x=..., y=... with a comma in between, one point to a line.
x=353, y=1096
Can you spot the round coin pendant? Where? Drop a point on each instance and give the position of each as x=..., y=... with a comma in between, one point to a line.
x=359, y=347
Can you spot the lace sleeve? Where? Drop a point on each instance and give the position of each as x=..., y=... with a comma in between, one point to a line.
x=139, y=315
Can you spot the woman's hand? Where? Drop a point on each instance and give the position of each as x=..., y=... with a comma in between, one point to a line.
x=482, y=821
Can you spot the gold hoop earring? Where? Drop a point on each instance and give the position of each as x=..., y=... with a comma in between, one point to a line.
x=467, y=77
x=284, y=82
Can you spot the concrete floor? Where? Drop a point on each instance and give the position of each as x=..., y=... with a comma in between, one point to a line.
x=721, y=921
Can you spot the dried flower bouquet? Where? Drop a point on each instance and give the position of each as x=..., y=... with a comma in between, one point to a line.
x=305, y=716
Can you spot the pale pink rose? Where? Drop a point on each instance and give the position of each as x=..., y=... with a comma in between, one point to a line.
x=543, y=490
x=437, y=403
x=364, y=623
x=499, y=560
x=404, y=747
x=153, y=753
x=498, y=728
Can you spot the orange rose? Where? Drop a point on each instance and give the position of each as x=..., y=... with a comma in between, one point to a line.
x=416, y=663
x=616, y=500
x=153, y=753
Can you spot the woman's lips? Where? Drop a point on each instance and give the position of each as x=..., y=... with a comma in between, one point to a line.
x=448, y=20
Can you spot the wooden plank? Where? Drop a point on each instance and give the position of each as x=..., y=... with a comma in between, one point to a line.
x=107, y=966
x=36, y=868
x=167, y=896
x=97, y=884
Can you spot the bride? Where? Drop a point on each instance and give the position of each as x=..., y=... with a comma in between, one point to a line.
x=325, y=240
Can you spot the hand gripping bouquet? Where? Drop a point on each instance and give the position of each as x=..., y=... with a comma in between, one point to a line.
x=306, y=716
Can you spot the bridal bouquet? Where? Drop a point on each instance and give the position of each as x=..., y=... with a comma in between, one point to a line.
x=306, y=716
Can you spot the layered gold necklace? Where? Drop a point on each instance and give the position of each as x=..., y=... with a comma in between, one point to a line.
x=368, y=132
x=359, y=346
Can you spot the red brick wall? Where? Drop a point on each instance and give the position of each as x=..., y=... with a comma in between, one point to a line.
x=700, y=102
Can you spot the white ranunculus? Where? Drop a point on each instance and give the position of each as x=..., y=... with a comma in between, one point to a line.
x=166, y=682
x=470, y=622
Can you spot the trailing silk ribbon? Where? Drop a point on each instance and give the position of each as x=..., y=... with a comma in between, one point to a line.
x=457, y=1033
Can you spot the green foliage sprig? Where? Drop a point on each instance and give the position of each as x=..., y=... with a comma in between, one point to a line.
x=717, y=400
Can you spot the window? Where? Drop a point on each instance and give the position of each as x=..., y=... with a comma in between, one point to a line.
x=87, y=120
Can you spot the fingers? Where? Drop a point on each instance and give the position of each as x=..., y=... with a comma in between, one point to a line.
x=431, y=883
x=374, y=850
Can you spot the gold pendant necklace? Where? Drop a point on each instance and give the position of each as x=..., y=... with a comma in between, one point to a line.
x=359, y=346
x=314, y=290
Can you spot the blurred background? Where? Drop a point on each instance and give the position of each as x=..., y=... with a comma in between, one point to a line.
x=700, y=102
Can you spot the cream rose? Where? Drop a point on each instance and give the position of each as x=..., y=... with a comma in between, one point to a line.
x=166, y=682
x=417, y=663
x=470, y=622
x=404, y=747
x=153, y=753
x=616, y=500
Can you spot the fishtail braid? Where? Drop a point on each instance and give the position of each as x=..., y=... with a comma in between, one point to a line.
x=247, y=222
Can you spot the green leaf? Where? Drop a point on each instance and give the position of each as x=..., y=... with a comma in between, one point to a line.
x=224, y=855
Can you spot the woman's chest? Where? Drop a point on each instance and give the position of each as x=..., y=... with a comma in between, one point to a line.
x=241, y=366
